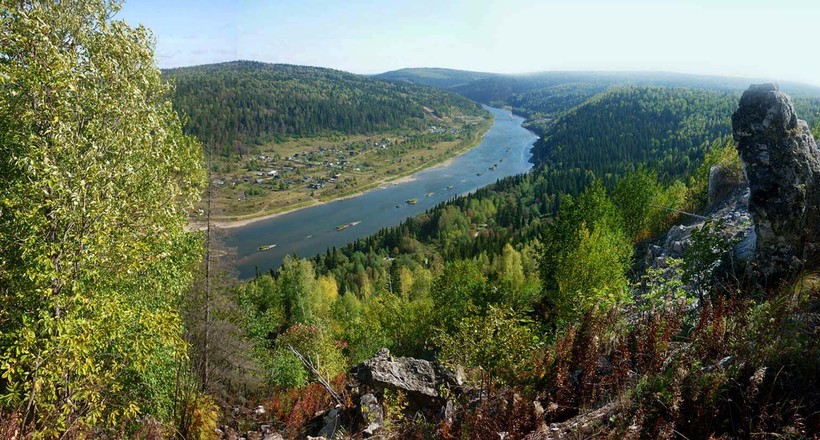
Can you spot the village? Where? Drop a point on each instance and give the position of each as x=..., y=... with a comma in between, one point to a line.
x=313, y=170
x=284, y=175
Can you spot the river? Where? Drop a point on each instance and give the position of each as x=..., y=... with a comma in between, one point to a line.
x=313, y=230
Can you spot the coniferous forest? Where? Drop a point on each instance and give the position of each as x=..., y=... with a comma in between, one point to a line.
x=607, y=293
x=233, y=105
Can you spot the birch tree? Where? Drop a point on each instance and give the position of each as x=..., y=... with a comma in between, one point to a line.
x=97, y=180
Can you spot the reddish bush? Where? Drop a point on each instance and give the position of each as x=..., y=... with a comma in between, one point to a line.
x=10, y=427
x=503, y=411
x=292, y=409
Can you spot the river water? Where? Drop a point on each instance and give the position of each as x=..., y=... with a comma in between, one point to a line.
x=312, y=230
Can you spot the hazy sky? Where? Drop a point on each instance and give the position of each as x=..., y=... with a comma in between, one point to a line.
x=771, y=39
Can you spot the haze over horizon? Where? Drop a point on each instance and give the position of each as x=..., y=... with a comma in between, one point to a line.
x=760, y=39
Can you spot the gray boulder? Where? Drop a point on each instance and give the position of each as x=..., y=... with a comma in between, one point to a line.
x=678, y=239
x=372, y=415
x=416, y=377
x=449, y=412
x=782, y=165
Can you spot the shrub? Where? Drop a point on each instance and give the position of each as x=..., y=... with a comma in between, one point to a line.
x=501, y=343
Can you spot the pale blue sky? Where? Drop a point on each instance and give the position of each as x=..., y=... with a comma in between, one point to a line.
x=771, y=39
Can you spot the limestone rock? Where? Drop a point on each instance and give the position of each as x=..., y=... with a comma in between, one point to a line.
x=414, y=376
x=677, y=239
x=449, y=412
x=372, y=415
x=782, y=165
x=745, y=250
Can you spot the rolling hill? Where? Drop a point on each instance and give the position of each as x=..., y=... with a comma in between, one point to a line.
x=543, y=96
x=435, y=77
x=237, y=104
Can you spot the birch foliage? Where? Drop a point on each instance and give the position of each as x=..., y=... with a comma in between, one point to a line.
x=96, y=181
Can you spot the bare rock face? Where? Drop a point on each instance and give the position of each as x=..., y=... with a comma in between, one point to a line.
x=413, y=376
x=782, y=165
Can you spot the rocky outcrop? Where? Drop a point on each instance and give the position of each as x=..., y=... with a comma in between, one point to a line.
x=731, y=212
x=416, y=377
x=774, y=211
x=429, y=387
x=782, y=165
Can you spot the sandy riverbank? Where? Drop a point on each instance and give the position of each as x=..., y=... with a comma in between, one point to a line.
x=253, y=218
x=237, y=222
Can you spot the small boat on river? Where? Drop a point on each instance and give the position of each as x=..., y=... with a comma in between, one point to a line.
x=345, y=226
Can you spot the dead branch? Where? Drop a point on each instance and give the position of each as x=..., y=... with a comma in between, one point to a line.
x=309, y=365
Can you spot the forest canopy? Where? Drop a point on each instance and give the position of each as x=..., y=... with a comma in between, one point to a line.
x=232, y=104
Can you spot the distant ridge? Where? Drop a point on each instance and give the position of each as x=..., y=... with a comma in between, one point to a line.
x=542, y=97
x=435, y=76
x=496, y=89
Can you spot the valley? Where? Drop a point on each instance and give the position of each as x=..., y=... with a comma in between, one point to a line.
x=194, y=245
x=504, y=151
x=282, y=137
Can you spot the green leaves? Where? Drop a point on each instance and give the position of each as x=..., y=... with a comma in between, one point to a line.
x=97, y=180
x=711, y=246
x=585, y=257
x=500, y=343
x=591, y=276
x=634, y=195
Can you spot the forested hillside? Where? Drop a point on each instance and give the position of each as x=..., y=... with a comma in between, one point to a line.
x=543, y=96
x=665, y=130
x=662, y=128
x=233, y=105
x=551, y=101
x=498, y=89
x=435, y=77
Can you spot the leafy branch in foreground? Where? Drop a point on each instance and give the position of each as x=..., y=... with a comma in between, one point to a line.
x=97, y=178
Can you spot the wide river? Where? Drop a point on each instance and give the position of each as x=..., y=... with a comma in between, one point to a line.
x=312, y=230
